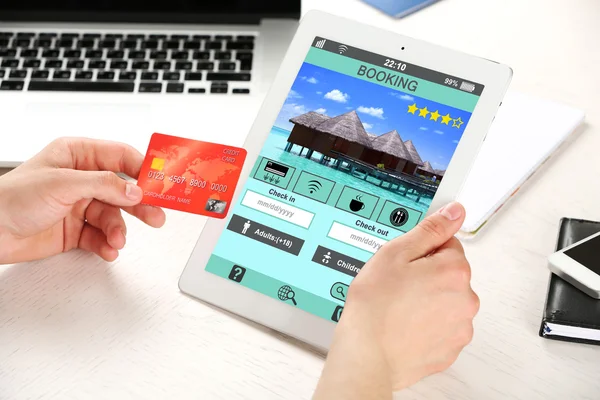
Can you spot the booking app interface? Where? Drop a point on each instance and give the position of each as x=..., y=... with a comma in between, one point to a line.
x=353, y=160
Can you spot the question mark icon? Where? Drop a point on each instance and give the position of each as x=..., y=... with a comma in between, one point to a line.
x=237, y=273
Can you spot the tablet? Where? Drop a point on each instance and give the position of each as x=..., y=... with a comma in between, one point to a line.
x=362, y=135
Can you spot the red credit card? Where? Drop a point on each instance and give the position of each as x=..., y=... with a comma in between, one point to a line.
x=190, y=175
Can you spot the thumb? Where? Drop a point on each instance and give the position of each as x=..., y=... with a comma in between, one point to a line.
x=105, y=186
x=432, y=232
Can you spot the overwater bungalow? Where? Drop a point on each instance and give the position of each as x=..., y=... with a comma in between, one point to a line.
x=427, y=170
x=345, y=134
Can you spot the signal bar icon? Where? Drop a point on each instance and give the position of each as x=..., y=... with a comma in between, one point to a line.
x=321, y=43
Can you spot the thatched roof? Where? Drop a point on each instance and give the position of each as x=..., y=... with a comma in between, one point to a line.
x=414, y=154
x=391, y=143
x=427, y=168
x=347, y=126
x=439, y=172
x=310, y=119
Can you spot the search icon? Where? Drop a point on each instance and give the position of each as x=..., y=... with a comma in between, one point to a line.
x=339, y=291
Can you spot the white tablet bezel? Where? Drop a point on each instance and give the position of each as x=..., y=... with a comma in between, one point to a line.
x=295, y=322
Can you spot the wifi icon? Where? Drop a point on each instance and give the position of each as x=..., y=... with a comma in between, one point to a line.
x=342, y=48
x=314, y=186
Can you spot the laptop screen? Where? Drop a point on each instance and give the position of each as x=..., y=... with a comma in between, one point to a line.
x=171, y=11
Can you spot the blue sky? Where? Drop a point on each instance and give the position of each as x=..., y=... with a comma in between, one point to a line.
x=380, y=109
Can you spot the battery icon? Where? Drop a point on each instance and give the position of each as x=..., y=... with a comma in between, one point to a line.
x=467, y=86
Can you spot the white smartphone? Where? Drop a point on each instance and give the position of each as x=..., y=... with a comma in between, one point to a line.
x=579, y=264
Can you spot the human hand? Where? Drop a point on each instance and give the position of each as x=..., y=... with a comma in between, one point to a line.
x=408, y=315
x=68, y=196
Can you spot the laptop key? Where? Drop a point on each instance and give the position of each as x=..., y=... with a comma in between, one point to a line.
x=69, y=36
x=149, y=76
x=32, y=63
x=41, y=74
x=183, y=66
x=214, y=45
x=150, y=44
x=115, y=54
x=202, y=37
x=43, y=43
x=240, y=45
x=97, y=64
x=86, y=43
x=107, y=44
x=2, y=73
x=140, y=65
x=180, y=55
x=158, y=55
x=62, y=74
x=219, y=89
x=223, y=37
x=92, y=35
x=227, y=66
x=66, y=86
x=164, y=65
x=119, y=64
x=6, y=34
x=113, y=36
x=129, y=44
x=245, y=37
x=171, y=76
x=196, y=90
x=150, y=87
x=66, y=43
x=8, y=53
x=94, y=54
x=50, y=53
x=72, y=54
x=4, y=42
x=240, y=91
x=128, y=76
x=201, y=55
x=192, y=45
x=53, y=64
x=227, y=76
x=105, y=75
x=182, y=37
x=194, y=76
x=29, y=53
x=10, y=63
x=171, y=44
x=76, y=64
x=135, y=36
x=18, y=73
x=25, y=34
x=223, y=55
x=174, y=87
x=205, y=66
x=137, y=55
x=156, y=37
x=84, y=75
x=22, y=42
x=12, y=85
x=245, y=65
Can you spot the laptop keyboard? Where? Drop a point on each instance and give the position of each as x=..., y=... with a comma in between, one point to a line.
x=133, y=63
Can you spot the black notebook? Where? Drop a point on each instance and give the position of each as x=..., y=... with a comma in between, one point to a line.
x=571, y=315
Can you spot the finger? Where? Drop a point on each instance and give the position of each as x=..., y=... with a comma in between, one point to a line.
x=452, y=245
x=95, y=155
x=71, y=186
x=93, y=240
x=109, y=220
x=150, y=215
x=431, y=233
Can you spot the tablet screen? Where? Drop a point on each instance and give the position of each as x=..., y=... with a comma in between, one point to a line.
x=353, y=160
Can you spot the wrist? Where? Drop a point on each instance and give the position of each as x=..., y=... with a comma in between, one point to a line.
x=356, y=367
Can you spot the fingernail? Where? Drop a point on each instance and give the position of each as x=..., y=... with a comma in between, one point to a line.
x=124, y=236
x=133, y=192
x=452, y=211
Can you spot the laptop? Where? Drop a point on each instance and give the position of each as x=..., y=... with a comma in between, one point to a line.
x=123, y=69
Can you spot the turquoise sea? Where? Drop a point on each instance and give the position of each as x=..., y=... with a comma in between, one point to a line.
x=274, y=149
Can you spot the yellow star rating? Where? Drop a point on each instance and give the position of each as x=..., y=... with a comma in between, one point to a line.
x=456, y=123
x=423, y=112
x=446, y=119
x=434, y=116
x=412, y=109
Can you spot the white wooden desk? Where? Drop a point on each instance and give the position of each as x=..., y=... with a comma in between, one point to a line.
x=73, y=327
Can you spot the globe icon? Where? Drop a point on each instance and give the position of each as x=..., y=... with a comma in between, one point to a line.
x=286, y=293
